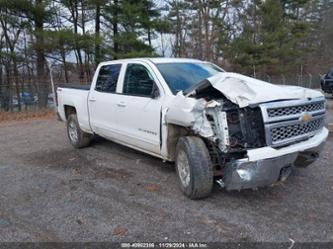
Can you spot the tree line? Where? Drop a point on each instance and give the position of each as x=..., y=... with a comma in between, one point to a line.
x=253, y=37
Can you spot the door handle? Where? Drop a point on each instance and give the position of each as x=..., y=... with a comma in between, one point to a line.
x=121, y=104
x=92, y=100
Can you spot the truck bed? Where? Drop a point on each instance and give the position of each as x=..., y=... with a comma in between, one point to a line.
x=75, y=96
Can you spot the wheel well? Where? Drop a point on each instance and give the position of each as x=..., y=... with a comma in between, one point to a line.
x=174, y=133
x=69, y=110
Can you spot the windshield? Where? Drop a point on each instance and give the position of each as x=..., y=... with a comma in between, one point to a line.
x=181, y=76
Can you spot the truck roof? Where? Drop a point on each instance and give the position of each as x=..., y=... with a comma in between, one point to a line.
x=157, y=60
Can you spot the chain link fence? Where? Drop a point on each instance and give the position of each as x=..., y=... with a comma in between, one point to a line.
x=307, y=80
x=25, y=97
x=27, y=93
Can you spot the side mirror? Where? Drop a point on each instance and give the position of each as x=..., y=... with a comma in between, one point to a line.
x=155, y=93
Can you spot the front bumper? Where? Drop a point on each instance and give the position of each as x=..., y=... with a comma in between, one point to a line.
x=246, y=173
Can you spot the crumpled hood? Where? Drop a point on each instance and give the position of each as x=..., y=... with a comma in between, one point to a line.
x=244, y=91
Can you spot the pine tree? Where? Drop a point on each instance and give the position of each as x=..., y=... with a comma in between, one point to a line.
x=272, y=39
x=131, y=21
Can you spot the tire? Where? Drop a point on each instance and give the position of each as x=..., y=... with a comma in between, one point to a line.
x=194, y=167
x=76, y=136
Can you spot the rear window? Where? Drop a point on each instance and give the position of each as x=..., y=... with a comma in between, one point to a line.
x=181, y=76
x=108, y=78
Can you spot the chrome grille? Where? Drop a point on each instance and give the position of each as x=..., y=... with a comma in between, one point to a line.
x=292, y=110
x=284, y=121
x=283, y=133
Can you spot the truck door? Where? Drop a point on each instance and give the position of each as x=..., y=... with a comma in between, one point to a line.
x=140, y=108
x=103, y=99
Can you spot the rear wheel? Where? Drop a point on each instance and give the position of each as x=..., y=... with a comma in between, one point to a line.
x=77, y=137
x=194, y=167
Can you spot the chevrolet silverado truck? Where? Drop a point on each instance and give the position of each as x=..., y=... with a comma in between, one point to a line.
x=221, y=127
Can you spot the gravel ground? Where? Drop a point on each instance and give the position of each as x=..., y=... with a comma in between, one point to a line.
x=107, y=192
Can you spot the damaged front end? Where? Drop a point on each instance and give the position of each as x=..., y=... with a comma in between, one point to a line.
x=228, y=131
x=212, y=116
x=232, y=124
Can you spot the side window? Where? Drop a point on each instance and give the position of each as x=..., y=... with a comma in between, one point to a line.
x=138, y=81
x=107, y=78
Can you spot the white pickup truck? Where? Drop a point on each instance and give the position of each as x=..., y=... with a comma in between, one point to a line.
x=216, y=126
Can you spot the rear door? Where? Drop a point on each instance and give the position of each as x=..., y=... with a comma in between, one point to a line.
x=103, y=99
x=140, y=107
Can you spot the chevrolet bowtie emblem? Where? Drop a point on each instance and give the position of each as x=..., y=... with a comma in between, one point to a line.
x=305, y=117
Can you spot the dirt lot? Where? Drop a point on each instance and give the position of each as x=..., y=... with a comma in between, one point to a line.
x=107, y=192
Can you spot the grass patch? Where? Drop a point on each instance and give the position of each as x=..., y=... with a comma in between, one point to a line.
x=26, y=115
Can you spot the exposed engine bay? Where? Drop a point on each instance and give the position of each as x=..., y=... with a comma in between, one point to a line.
x=244, y=125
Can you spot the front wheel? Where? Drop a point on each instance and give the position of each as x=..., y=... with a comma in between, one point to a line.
x=77, y=137
x=194, y=167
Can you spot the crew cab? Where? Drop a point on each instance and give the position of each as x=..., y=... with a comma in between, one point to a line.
x=216, y=126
